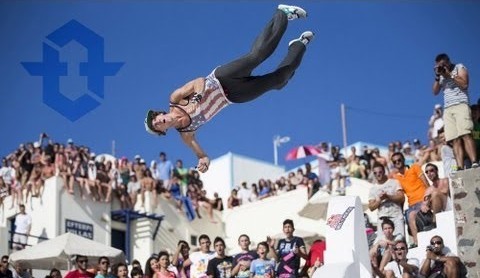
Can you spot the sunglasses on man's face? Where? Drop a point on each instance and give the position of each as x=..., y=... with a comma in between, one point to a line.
x=104, y=262
x=396, y=161
x=399, y=248
x=436, y=242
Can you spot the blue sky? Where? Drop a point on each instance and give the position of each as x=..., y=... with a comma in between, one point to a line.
x=376, y=57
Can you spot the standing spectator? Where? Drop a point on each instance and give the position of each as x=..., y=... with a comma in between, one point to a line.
x=407, y=153
x=163, y=263
x=388, y=197
x=437, y=194
x=435, y=122
x=3, y=192
x=19, y=271
x=133, y=188
x=315, y=257
x=103, y=266
x=151, y=266
x=78, y=175
x=244, y=194
x=262, y=267
x=453, y=80
x=165, y=170
x=198, y=261
x=476, y=126
x=414, y=183
x=289, y=251
x=148, y=184
x=242, y=261
x=120, y=270
x=439, y=260
x=55, y=273
x=179, y=257
x=446, y=154
x=8, y=174
x=221, y=265
x=81, y=264
x=23, y=224
x=400, y=266
x=4, y=271
x=182, y=174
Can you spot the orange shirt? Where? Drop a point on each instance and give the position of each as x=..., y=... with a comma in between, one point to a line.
x=412, y=184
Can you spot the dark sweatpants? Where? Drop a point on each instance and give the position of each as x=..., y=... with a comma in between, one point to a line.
x=235, y=76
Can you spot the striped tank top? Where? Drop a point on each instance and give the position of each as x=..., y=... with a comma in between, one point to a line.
x=203, y=106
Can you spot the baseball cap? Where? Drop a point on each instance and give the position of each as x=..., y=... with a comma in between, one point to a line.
x=137, y=156
x=36, y=144
x=142, y=161
x=416, y=141
x=70, y=141
x=406, y=145
x=149, y=125
x=438, y=106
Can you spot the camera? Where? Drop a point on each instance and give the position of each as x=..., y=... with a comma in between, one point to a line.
x=430, y=248
x=440, y=70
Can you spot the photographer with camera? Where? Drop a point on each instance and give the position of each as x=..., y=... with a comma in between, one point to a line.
x=453, y=80
x=439, y=262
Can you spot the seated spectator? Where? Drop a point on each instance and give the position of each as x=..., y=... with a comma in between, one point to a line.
x=425, y=218
x=438, y=192
x=244, y=193
x=176, y=192
x=380, y=253
x=355, y=169
x=264, y=189
x=400, y=266
x=233, y=200
x=439, y=260
x=217, y=202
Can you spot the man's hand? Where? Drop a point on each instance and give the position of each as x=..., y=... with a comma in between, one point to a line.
x=203, y=164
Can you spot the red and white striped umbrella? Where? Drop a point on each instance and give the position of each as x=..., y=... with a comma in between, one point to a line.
x=302, y=152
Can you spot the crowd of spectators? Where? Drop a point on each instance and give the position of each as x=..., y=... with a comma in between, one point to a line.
x=270, y=258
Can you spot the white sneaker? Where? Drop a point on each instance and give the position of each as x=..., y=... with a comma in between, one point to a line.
x=293, y=12
x=305, y=38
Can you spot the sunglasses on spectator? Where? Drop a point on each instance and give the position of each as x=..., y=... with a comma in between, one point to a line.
x=429, y=170
x=436, y=242
x=396, y=161
x=378, y=173
x=105, y=262
x=400, y=248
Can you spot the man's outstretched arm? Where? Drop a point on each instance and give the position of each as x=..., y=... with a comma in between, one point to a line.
x=190, y=140
x=194, y=86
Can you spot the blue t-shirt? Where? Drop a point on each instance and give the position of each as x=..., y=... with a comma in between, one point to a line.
x=260, y=268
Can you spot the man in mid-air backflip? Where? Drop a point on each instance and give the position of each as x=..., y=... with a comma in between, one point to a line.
x=199, y=100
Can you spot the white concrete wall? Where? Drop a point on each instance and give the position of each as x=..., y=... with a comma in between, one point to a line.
x=230, y=170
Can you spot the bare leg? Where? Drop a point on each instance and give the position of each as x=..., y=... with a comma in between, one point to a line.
x=413, y=226
x=470, y=147
x=458, y=151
